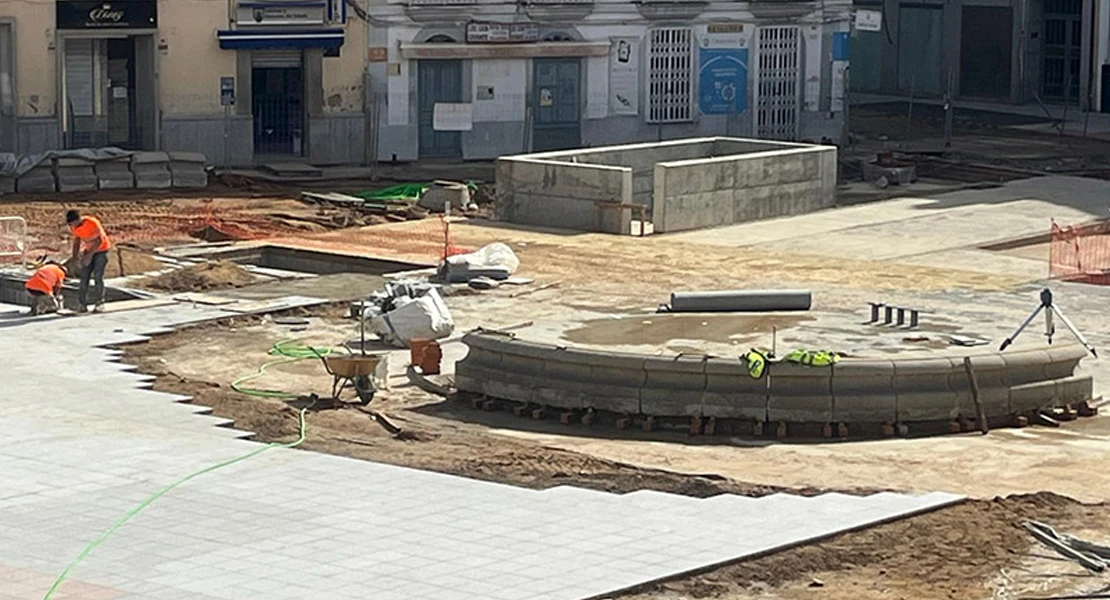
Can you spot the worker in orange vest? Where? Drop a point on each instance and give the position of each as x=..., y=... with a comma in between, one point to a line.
x=45, y=288
x=90, y=254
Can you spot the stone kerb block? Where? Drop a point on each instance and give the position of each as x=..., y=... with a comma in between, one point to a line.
x=114, y=174
x=1063, y=360
x=923, y=390
x=1031, y=397
x=151, y=170
x=994, y=392
x=187, y=170
x=731, y=393
x=863, y=392
x=525, y=358
x=800, y=394
x=38, y=180
x=674, y=386
x=75, y=174
x=610, y=381
x=1024, y=366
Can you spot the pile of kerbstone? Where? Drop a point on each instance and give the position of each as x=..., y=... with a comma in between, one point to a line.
x=138, y=170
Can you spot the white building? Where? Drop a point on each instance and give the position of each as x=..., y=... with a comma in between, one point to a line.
x=476, y=79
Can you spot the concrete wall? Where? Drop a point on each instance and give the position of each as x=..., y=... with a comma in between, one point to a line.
x=700, y=193
x=562, y=194
x=870, y=392
x=687, y=184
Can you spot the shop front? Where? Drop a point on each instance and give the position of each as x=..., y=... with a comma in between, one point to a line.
x=107, y=54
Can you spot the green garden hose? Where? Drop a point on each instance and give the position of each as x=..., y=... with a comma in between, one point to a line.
x=290, y=351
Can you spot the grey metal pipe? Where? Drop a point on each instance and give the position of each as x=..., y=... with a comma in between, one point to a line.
x=741, y=301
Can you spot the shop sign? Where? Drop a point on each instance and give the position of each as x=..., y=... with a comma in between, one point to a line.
x=281, y=13
x=118, y=14
x=502, y=33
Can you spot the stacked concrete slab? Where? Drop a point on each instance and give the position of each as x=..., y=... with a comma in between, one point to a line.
x=151, y=170
x=684, y=184
x=114, y=174
x=869, y=393
x=187, y=170
x=75, y=174
x=38, y=180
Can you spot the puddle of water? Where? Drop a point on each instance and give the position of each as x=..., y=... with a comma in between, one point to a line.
x=662, y=328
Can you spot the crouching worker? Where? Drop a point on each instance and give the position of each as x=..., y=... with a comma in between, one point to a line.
x=45, y=288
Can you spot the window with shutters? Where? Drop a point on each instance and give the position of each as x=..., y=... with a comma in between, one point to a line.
x=670, y=75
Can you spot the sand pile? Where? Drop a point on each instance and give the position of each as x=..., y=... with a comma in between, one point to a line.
x=197, y=278
x=123, y=262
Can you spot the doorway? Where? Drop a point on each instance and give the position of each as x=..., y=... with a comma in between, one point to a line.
x=1062, y=39
x=7, y=89
x=778, y=56
x=438, y=81
x=986, y=46
x=102, y=94
x=920, y=29
x=557, y=99
x=277, y=102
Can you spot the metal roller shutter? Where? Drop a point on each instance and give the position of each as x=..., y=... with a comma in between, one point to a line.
x=276, y=59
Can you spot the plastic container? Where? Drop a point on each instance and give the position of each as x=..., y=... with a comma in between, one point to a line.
x=427, y=355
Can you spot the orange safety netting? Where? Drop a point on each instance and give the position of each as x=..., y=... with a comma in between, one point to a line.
x=1080, y=253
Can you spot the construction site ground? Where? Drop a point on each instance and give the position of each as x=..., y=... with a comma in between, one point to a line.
x=602, y=291
x=923, y=250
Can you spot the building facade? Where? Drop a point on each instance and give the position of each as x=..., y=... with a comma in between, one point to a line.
x=477, y=79
x=238, y=80
x=1016, y=51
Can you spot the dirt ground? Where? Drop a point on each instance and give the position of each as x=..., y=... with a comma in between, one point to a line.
x=969, y=551
x=202, y=361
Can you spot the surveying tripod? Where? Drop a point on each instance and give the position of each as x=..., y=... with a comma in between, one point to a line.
x=1050, y=310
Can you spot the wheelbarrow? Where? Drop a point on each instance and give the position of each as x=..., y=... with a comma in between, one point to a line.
x=352, y=370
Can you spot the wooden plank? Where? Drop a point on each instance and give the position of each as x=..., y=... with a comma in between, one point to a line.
x=980, y=414
x=206, y=299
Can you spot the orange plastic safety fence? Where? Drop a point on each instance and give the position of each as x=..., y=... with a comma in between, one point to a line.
x=1080, y=253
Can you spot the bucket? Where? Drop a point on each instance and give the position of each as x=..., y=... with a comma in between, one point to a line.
x=427, y=355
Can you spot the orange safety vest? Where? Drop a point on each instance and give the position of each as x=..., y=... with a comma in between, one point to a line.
x=47, y=280
x=88, y=229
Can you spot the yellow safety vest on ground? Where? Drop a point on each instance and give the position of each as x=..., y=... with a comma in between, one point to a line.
x=813, y=358
x=756, y=361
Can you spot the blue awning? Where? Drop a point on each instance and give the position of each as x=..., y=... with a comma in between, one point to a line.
x=247, y=39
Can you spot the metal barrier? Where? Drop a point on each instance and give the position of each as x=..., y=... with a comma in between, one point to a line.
x=13, y=238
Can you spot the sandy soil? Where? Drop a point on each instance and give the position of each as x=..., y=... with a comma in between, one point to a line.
x=200, y=277
x=160, y=220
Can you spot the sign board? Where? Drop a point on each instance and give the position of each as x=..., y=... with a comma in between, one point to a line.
x=724, y=35
x=378, y=54
x=869, y=20
x=624, y=77
x=129, y=14
x=453, y=116
x=722, y=81
x=227, y=91
x=502, y=33
x=269, y=14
